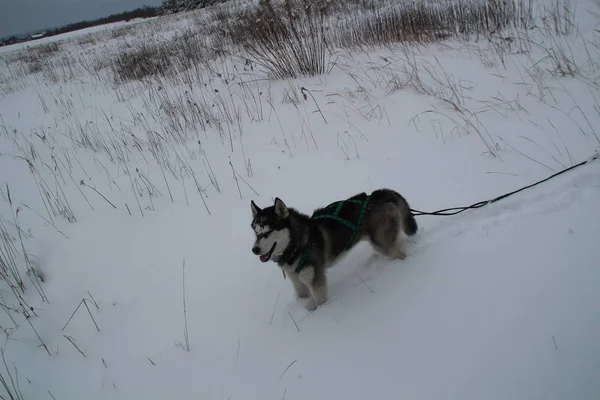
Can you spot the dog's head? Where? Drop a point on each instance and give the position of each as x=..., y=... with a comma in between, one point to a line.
x=271, y=228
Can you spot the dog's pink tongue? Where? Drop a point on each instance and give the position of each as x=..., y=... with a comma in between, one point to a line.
x=264, y=258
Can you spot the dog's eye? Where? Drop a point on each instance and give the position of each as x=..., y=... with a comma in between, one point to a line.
x=265, y=234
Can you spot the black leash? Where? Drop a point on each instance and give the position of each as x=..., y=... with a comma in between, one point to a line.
x=458, y=210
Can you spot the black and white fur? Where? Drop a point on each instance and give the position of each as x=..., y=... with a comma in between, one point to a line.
x=283, y=235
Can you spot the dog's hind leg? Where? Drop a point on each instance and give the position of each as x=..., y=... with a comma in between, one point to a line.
x=394, y=252
x=384, y=232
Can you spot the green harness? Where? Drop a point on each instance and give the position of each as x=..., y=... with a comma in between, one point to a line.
x=335, y=216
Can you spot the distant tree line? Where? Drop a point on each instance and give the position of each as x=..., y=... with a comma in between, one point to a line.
x=167, y=7
x=175, y=6
x=142, y=12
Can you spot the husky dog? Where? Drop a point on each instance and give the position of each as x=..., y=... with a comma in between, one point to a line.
x=304, y=247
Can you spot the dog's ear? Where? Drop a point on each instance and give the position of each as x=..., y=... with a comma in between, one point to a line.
x=255, y=209
x=281, y=209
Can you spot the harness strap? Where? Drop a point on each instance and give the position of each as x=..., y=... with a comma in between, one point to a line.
x=338, y=219
x=363, y=211
x=304, y=256
x=335, y=217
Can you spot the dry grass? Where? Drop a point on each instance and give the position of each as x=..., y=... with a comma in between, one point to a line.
x=287, y=40
x=292, y=38
x=207, y=78
x=142, y=61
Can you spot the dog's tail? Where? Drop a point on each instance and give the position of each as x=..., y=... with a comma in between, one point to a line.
x=409, y=223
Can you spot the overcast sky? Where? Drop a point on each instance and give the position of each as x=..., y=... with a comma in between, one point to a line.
x=19, y=16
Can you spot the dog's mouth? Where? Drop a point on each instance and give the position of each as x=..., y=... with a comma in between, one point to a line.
x=267, y=257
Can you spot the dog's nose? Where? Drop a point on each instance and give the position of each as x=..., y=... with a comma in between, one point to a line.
x=256, y=250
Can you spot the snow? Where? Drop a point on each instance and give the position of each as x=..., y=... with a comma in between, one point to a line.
x=495, y=303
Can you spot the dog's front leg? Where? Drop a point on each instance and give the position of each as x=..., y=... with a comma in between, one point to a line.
x=317, y=284
x=319, y=294
x=300, y=288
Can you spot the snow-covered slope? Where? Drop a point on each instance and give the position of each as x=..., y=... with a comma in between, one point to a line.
x=495, y=303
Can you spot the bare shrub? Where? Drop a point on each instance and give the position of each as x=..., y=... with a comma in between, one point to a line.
x=47, y=49
x=144, y=60
x=87, y=39
x=558, y=18
x=36, y=58
x=127, y=30
x=287, y=40
x=190, y=49
x=293, y=38
x=187, y=50
x=426, y=22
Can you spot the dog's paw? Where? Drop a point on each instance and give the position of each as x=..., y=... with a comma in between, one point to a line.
x=310, y=305
x=373, y=258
